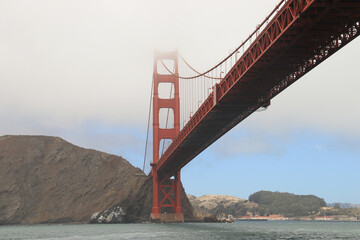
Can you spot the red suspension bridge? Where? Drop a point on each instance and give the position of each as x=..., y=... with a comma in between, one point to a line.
x=293, y=39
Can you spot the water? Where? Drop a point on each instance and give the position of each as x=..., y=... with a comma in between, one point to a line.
x=238, y=230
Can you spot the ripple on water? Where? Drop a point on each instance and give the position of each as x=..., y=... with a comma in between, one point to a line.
x=187, y=231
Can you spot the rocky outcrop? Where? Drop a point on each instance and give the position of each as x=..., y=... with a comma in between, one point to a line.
x=113, y=215
x=48, y=180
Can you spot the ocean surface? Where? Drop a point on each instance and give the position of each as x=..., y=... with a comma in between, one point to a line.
x=238, y=230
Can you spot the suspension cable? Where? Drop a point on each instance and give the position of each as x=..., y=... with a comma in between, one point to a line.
x=199, y=73
x=148, y=125
x=181, y=77
x=231, y=54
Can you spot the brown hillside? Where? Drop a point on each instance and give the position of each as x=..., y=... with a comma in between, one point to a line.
x=211, y=201
x=46, y=179
x=216, y=204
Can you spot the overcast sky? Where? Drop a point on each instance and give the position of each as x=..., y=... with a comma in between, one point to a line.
x=82, y=70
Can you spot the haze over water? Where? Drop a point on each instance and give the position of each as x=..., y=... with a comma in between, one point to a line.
x=237, y=230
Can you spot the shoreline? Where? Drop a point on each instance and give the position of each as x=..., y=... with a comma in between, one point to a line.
x=196, y=221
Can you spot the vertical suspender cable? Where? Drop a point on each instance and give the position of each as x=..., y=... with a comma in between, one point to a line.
x=167, y=121
x=147, y=131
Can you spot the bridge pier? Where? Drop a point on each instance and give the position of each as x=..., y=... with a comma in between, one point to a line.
x=166, y=198
x=166, y=185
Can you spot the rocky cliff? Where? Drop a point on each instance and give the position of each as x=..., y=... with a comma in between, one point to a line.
x=48, y=180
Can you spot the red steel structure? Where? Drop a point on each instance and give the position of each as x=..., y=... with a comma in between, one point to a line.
x=166, y=185
x=301, y=35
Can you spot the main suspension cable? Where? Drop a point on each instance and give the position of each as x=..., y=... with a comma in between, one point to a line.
x=181, y=77
x=254, y=33
x=199, y=73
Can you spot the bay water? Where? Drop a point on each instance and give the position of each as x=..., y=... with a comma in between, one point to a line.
x=237, y=230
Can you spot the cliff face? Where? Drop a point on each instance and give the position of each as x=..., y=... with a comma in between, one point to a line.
x=48, y=180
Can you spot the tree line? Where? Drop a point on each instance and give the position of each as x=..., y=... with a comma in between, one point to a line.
x=287, y=204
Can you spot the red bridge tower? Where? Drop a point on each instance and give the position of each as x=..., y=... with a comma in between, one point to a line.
x=166, y=185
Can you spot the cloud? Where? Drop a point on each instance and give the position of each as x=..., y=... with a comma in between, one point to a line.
x=344, y=145
x=324, y=100
x=245, y=143
x=65, y=63
x=70, y=61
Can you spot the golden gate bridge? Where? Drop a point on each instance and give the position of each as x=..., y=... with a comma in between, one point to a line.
x=200, y=107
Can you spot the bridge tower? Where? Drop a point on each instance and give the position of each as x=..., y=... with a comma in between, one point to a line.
x=166, y=185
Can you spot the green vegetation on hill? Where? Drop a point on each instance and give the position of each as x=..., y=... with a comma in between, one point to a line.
x=287, y=204
x=265, y=203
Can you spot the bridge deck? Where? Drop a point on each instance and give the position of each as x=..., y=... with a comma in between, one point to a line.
x=302, y=35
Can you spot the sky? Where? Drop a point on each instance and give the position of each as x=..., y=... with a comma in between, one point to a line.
x=82, y=70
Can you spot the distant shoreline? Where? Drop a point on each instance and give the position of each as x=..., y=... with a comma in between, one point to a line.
x=148, y=222
x=292, y=220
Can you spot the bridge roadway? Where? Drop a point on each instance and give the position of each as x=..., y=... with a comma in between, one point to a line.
x=301, y=35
